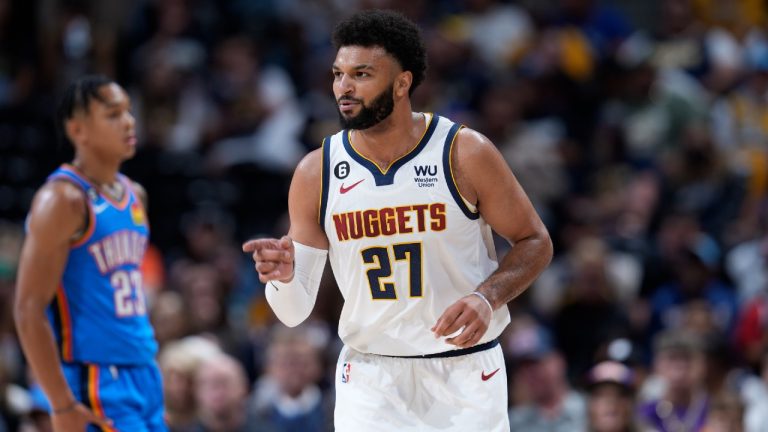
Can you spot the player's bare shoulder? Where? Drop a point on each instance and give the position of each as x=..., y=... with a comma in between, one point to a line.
x=310, y=166
x=58, y=206
x=61, y=195
x=308, y=175
x=307, y=180
x=472, y=156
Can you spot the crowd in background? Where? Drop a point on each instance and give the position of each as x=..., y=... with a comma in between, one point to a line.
x=643, y=145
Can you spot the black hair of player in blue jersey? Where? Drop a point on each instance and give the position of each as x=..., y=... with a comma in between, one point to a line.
x=398, y=35
x=78, y=96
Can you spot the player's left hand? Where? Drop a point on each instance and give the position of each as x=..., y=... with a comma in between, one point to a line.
x=469, y=314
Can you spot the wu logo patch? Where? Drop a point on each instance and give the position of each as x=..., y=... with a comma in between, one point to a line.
x=345, y=371
x=426, y=175
x=425, y=170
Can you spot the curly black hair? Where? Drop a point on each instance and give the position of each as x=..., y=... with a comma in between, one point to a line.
x=398, y=35
x=78, y=96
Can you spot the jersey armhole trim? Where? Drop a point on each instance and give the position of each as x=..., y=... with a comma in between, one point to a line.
x=448, y=169
x=325, y=164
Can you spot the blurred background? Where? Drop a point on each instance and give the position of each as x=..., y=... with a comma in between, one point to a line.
x=638, y=128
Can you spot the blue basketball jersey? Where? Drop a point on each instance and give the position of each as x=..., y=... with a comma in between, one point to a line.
x=99, y=313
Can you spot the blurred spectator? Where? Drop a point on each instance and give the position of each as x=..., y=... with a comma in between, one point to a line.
x=498, y=32
x=737, y=16
x=695, y=280
x=697, y=182
x=6, y=416
x=258, y=119
x=726, y=414
x=11, y=357
x=610, y=400
x=179, y=361
x=678, y=38
x=683, y=402
x=204, y=296
x=604, y=26
x=532, y=147
x=733, y=27
x=739, y=126
x=747, y=263
x=16, y=402
x=675, y=231
x=203, y=292
x=755, y=399
x=540, y=371
x=221, y=394
x=39, y=418
x=591, y=315
x=17, y=54
x=287, y=397
x=750, y=335
x=169, y=102
x=168, y=315
x=618, y=273
x=209, y=239
x=642, y=121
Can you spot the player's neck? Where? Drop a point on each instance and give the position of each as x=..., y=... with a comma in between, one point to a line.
x=96, y=171
x=389, y=140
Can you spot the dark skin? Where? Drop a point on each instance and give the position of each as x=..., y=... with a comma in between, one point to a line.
x=482, y=176
x=103, y=137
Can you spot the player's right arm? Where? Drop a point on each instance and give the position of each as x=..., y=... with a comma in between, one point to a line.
x=292, y=266
x=58, y=214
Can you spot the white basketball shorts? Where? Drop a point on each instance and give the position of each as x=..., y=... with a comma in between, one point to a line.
x=465, y=393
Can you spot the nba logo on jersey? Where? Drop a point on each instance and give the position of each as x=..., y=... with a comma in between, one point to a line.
x=345, y=372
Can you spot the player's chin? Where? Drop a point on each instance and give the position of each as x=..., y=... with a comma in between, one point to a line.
x=129, y=151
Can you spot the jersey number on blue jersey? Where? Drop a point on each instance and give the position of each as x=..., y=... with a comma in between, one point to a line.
x=129, y=295
x=380, y=257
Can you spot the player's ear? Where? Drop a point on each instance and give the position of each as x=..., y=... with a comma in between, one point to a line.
x=74, y=129
x=403, y=83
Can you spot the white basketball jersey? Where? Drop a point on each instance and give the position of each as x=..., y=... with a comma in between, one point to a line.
x=404, y=244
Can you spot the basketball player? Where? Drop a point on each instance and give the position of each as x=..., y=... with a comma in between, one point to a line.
x=80, y=308
x=404, y=202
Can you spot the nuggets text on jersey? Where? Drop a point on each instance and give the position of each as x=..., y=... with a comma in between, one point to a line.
x=389, y=221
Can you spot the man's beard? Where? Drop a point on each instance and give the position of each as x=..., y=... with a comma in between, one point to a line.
x=379, y=109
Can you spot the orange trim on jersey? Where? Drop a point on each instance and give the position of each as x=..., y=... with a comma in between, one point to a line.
x=119, y=205
x=93, y=395
x=89, y=231
x=66, y=324
x=384, y=171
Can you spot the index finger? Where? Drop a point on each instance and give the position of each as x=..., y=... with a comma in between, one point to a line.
x=255, y=244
